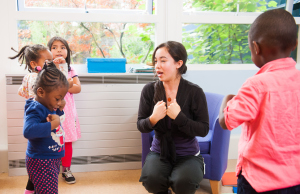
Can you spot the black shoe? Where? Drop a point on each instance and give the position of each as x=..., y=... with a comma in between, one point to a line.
x=165, y=192
x=68, y=176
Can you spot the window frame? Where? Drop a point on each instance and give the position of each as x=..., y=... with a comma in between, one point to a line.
x=148, y=10
x=168, y=21
x=206, y=17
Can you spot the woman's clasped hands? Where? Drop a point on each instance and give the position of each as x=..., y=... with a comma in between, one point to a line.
x=160, y=111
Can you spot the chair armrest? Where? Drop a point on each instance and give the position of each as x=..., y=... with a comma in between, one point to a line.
x=219, y=150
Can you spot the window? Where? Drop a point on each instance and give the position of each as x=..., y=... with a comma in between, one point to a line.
x=213, y=31
x=232, y=5
x=133, y=41
x=96, y=28
x=217, y=43
x=216, y=31
x=88, y=6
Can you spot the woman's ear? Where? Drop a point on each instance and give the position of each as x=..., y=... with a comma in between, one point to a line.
x=40, y=92
x=179, y=64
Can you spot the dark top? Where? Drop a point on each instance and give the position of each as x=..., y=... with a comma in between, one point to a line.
x=43, y=143
x=192, y=121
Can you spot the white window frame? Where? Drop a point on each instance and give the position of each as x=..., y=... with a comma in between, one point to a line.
x=206, y=17
x=168, y=22
x=102, y=16
x=148, y=10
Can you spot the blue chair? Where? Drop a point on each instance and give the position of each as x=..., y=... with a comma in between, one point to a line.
x=213, y=147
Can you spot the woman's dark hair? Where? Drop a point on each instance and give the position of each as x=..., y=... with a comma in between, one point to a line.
x=177, y=52
x=69, y=52
x=29, y=53
x=50, y=78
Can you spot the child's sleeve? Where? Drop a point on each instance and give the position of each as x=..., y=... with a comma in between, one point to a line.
x=33, y=126
x=64, y=69
x=23, y=89
x=244, y=107
x=61, y=115
x=73, y=73
x=26, y=89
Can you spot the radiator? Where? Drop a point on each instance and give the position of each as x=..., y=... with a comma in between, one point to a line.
x=107, y=108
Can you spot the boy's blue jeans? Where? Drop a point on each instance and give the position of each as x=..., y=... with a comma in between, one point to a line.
x=243, y=187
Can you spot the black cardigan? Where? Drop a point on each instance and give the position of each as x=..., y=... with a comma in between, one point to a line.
x=192, y=120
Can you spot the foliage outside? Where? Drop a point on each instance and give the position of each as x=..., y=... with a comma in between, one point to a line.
x=90, y=4
x=231, y=5
x=220, y=43
x=133, y=41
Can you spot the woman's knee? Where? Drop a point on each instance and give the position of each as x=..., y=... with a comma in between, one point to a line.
x=155, y=174
x=155, y=183
x=185, y=185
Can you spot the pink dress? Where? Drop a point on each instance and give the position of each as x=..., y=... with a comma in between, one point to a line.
x=71, y=123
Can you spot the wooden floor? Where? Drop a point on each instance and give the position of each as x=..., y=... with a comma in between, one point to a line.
x=105, y=182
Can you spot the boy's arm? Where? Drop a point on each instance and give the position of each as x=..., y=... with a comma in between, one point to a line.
x=221, y=113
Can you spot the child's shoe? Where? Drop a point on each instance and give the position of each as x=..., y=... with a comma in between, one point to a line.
x=68, y=176
x=28, y=192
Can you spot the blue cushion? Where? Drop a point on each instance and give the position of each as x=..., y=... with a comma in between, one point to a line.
x=205, y=142
x=204, y=146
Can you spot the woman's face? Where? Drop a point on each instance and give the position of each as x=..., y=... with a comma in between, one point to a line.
x=165, y=66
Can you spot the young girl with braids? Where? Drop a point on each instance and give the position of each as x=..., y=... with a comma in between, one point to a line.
x=62, y=55
x=35, y=57
x=43, y=131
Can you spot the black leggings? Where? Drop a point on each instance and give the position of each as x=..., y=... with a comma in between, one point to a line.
x=183, y=177
x=30, y=185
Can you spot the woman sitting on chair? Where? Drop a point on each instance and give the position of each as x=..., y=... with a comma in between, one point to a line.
x=176, y=110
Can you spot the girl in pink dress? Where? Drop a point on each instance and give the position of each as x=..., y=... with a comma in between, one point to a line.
x=62, y=54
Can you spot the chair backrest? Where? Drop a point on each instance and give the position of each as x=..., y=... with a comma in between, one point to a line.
x=213, y=104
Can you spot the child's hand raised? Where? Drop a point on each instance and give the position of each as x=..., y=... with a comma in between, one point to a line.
x=70, y=80
x=54, y=120
x=173, y=110
x=59, y=60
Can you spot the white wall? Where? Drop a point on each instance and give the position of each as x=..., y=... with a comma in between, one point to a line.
x=4, y=51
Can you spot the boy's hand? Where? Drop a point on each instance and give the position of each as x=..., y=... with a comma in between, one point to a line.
x=54, y=120
x=62, y=105
x=173, y=110
x=70, y=80
x=59, y=60
x=221, y=113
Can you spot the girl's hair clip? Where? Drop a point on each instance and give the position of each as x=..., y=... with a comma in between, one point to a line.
x=37, y=68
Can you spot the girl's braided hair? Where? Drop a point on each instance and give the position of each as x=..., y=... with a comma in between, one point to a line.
x=50, y=78
x=29, y=53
